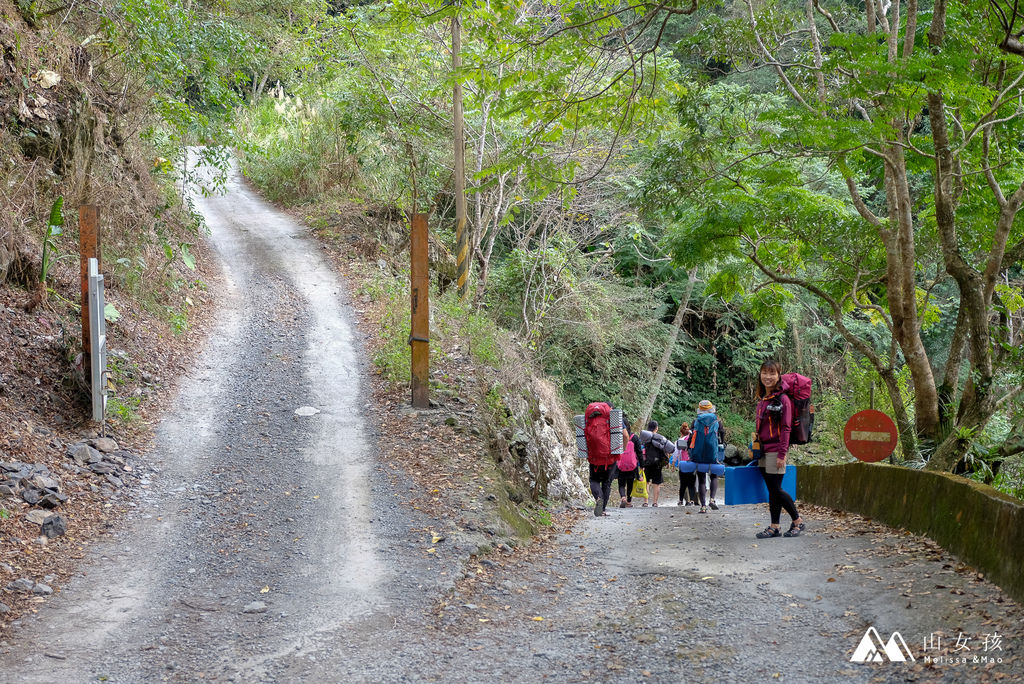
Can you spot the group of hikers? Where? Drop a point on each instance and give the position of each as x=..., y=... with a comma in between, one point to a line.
x=697, y=454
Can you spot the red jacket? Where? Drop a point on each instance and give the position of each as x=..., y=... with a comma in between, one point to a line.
x=774, y=427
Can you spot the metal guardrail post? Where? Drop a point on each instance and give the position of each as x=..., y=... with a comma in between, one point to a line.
x=98, y=342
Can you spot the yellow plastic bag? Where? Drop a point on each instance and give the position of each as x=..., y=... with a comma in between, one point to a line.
x=640, y=486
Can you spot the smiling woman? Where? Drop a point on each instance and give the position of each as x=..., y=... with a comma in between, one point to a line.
x=773, y=419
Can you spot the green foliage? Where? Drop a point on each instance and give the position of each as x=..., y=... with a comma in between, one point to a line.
x=393, y=357
x=539, y=513
x=453, y=318
x=178, y=320
x=53, y=231
x=123, y=410
x=495, y=404
x=1010, y=482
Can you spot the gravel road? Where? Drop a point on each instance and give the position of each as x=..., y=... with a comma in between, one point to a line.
x=270, y=546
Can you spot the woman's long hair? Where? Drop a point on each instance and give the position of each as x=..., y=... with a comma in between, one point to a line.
x=762, y=391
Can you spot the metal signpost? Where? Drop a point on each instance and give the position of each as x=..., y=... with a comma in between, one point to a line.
x=870, y=436
x=98, y=343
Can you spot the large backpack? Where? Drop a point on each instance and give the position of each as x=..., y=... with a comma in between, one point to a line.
x=704, y=439
x=613, y=435
x=657, y=449
x=798, y=387
x=602, y=433
x=654, y=456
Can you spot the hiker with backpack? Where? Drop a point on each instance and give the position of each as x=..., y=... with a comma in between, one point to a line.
x=628, y=468
x=774, y=426
x=705, y=437
x=656, y=456
x=601, y=453
x=687, y=468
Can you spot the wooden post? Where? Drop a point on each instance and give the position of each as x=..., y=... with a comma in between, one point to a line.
x=419, y=339
x=89, y=247
x=461, y=238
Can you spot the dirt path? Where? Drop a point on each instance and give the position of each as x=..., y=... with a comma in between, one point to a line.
x=270, y=546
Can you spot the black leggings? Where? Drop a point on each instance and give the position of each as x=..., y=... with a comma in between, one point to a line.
x=702, y=486
x=778, y=498
x=626, y=480
x=601, y=482
x=688, y=485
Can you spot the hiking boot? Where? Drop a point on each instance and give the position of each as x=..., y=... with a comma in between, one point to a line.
x=794, y=530
x=599, y=509
x=769, y=532
x=713, y=505
x=703, y=510
x=682, y=503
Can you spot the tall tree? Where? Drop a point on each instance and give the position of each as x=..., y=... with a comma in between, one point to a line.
x=890, y=163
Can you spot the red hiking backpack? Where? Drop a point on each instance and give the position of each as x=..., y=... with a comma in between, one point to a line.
x=598, y=433
x=798, y=387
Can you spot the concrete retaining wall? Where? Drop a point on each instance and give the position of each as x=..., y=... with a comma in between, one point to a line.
x=981, y=525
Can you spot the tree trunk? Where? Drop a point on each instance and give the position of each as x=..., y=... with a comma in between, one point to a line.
x=904, y=313
x=798, y=348
x=978, y=403
x=951, y=375
x=905, y=426
x=659, y=375
x=462, y=259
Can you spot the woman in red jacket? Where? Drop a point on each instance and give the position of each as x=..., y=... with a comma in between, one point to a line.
x=773, y=422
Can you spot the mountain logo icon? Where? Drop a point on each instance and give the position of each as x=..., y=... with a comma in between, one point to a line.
x=872, y=650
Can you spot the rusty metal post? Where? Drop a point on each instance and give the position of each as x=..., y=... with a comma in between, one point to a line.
x=89, y=247
x=419, y=339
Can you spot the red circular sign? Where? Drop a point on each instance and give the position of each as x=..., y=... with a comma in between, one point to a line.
x=870, y=435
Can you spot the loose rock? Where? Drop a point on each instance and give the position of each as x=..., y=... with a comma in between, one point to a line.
x=37, y=516
x=255, y=607
x=23, y=585
x=83, y=454
x=105, y=444
x=54, y=526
